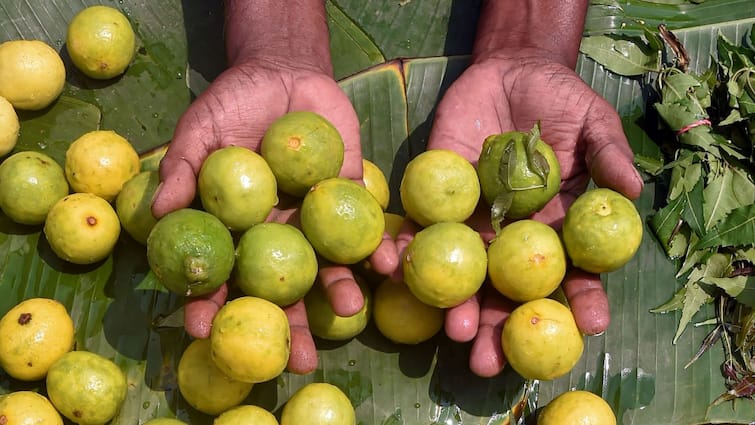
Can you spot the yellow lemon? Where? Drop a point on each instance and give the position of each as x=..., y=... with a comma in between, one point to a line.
x=101, y=42
x=33, y=335
x=541, y=340
x=82, y=228
x=445, y=264
x=32, y=74
x=246, y=415
x=602, y=231
x=318, y=403
x=577, y=407
x=9, y=126
x=375, y=182
x=86, y=387
x=100, y=162
x=402, y=317
x=326, y=324
x=203, y=385
x=302, y=148
x=439, y=185
x=342, y=221
x=30, y=184
x=237, y=186
x=251, y=339
x=134, y=205
x=526, y=260
x=26, y=408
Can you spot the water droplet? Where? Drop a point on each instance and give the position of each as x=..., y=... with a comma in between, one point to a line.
x=155, y=115
x=42, y=145
x=145, y=405
x=352, y=362
x=179, y=75
x=417, y=405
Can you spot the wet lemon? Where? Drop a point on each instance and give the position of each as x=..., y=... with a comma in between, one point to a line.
x=30, y=184
x=445, y=264
x=86, y=387
x=602, y=231
x=402, y=317
x=302, y=148
x=237, y=186
x=165, y=421
x=393, y=223
x=246, y=415
x=33, y=335
x=540, y=340
x=27, y=408
x=577, y=407
x=342, y=220
x=526, y=260
x=32, y=74
x=275, y=261
x=82, y=228
x=203, y=385
x=134, y=205
x=318, y=403
x=100, y=42
x=519, y=173
x=100, y=162
x=190, y=251
x=326, y=324
x=439, y=185
x=251, y=340
x=375, y=182
x=9, y=126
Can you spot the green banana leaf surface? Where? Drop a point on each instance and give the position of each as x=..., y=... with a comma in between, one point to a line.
x=394, y=59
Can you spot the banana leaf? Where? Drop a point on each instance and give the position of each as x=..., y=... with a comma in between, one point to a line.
x=394, y=59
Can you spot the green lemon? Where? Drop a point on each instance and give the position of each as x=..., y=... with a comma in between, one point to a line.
x=326, y=324
x=403, y=318
x=318, y=403
x=30, y=184
x=134, y=205
x=375, y=182
x=101, y=42
x=246, y=415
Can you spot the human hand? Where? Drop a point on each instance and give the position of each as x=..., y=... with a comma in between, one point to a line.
x=512, y=90
x=236, y=109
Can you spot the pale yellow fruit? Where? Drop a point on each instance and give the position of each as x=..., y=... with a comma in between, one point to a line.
x=32, y=74
x=376, y=183
x=9, y=126
x=246, y=415
x=402, y=317
x=577, y=407
x=101, y=162
x=203, y=385
x=28, y=408
x=318, y=403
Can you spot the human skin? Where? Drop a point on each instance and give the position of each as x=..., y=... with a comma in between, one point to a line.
x=278, y=61
x=522, y=72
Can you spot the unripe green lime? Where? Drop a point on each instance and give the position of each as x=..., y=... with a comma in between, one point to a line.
x=30, y=184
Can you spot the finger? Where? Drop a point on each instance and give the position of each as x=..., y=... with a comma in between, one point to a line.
x=303, y=357
x=385, y=258
x=200, y=311
x=588, y=301
x=343, y=291
x=463, y=320
x=405, y=235
x=486, y=358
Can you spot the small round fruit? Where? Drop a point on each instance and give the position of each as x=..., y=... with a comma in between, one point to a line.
x=326, y=324
x=203, y=385
x=9, y=127
x=526, y=260
x=33, y=335
x=30, y=184
x=318, y=403
x=246, y=415
x=100, y=162
x=190, y=251
x=540, y=340
x=302, y=148
x=602, y=231
x=237, y=186
x=445, y=264
x=342, y=220
x=439, y=185
x=101, y=42
x=523, y=189
x=275, y=261
x=403, y=318
x=32, y=74
x=86, y=387
x=165, y=421
x=251, y=339
x=27, y=408
x=375, y=182
x=82, y=228
x=134, y=205
x=577, y=407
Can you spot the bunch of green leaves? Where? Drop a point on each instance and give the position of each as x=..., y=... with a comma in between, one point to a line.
x=707, y=224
